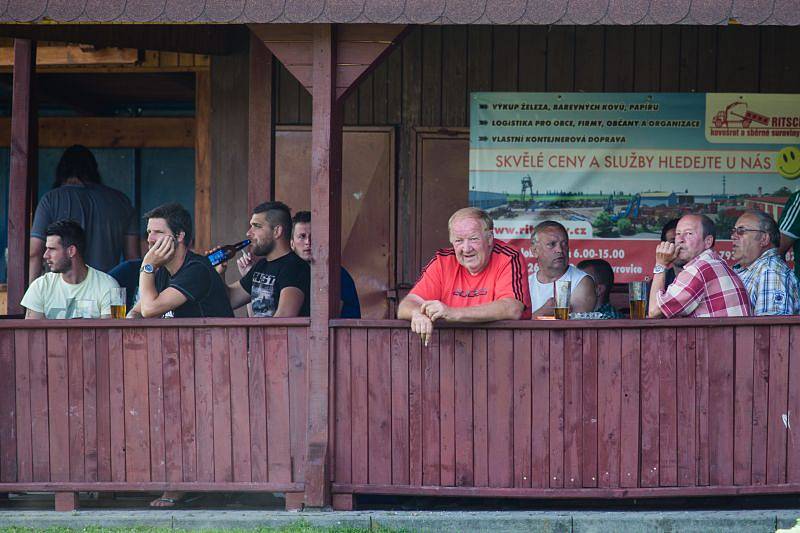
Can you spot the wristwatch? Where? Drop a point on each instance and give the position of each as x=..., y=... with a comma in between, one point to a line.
x=659, y=269
x=147, y=268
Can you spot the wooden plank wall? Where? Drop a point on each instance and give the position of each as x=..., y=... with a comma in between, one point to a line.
x=427, y=80
x=563, y=410
x=215, y=407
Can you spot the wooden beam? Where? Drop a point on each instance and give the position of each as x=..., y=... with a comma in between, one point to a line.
x=261, y=131
x=22, y=177
x=360, y=48
x=202, y=163
x=74, y=54
x=326, y=201
x=195, y=38
x=139, y=132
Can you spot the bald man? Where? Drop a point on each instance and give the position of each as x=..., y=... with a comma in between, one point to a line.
x=477, y=280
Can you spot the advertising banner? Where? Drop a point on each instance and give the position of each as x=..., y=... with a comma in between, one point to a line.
x=613, y=168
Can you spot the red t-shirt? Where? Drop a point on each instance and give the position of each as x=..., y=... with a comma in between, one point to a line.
x=444, y=279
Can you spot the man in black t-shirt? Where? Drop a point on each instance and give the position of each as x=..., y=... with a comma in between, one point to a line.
x=278, y=285
x=173, y=281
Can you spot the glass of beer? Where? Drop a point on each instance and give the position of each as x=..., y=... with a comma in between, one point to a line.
x=637, y=297
x=119, y=301
x=561, y=294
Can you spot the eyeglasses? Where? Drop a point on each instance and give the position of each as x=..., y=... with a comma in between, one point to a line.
x=740, y=231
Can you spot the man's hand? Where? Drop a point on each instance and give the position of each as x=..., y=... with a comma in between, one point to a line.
x=161, y=253
x=244, y=263
x=422, y=326
x=666, y=252
x=434, y=309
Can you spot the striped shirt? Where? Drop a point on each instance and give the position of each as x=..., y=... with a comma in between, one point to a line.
x=772, y=286
x=789, y=225
x=706, y=287
x=446, y=280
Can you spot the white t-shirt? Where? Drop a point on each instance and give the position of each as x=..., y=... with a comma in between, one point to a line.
x=541, y=292
x=55, y=298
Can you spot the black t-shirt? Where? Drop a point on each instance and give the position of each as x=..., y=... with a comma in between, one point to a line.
x=265, y=281
x=203, y=287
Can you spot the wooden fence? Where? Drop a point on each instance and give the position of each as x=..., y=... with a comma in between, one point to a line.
x=514, y=409
x=153, y=405
x=619, y=408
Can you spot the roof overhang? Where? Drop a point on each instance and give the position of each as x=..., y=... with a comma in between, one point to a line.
x=566, y=12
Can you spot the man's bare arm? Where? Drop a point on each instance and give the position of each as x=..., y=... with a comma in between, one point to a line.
x=289, y=303
x=653, y=310
x=408, y=305
x=35, y=258
x=584, y=297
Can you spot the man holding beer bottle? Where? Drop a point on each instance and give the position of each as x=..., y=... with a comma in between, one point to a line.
x=706, y=287
x=279, y=284
x=477, y=280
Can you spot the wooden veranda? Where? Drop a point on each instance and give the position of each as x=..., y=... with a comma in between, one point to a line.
x=324, y=409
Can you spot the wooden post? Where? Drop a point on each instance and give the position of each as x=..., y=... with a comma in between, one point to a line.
x=202, y=162
x=261, y=133
x=22, y=177
x=326, y=176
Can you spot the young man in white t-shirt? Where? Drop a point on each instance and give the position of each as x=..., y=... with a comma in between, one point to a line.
x=70, y=281
x=550, y=247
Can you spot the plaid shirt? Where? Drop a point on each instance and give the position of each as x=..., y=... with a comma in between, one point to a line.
x=707, y=287
x=772, y=287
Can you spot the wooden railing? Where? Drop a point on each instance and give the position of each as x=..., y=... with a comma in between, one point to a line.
x=513, y=409
x=196, y=405
x=568, y=409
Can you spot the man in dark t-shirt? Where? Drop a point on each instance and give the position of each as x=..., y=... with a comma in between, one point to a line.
x=173, y=281
x=301, y=245
x=279, y=284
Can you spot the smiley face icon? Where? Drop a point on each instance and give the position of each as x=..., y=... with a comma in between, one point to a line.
x=788, y=162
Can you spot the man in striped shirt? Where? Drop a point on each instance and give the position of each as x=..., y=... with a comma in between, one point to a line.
x=706, y=287
x=789, y=225
x=477, y=280
x=772, y=286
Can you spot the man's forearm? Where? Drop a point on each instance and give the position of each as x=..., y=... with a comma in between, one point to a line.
x=653, y=310
x=503, y=309
x=407, y=307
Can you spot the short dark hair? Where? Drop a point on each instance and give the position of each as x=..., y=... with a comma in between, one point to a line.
x=671, y=225
x=77, y=161
x=277, y=214
x=70, y=232
x=766, y=224
x=302, y=217
x=177, y=217
x=547, y=224
x=602, y=271
x=709, y=228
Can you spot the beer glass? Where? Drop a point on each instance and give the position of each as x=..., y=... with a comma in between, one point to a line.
x=561, y=294
x=637, y=297
x=119, y=302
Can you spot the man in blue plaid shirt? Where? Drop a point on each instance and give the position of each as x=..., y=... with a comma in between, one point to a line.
x=771, y=285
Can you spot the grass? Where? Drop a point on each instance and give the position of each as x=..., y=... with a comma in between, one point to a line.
x=297, y=527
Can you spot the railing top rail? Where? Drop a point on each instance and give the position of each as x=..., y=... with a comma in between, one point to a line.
x=586, y=324
x=155, y=323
